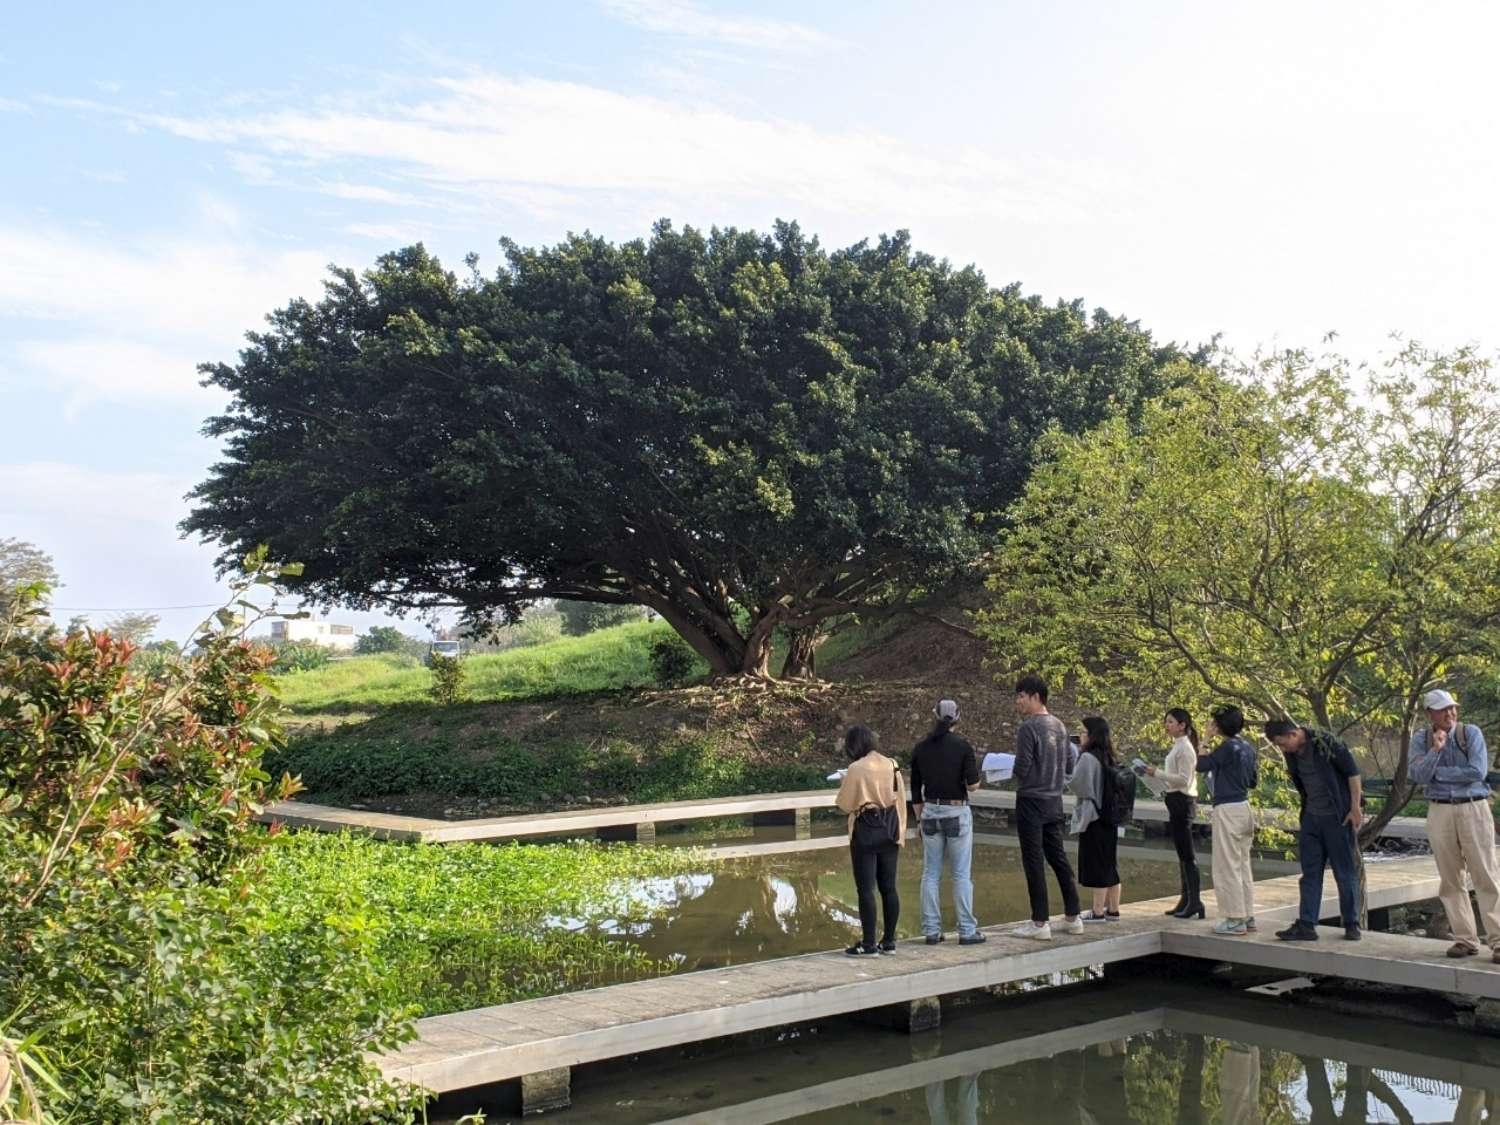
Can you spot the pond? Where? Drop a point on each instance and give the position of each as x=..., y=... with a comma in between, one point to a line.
x=1139, y=1052
x=729, y=912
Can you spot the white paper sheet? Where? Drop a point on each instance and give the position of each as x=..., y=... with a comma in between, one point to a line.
x=998, y=767
x=837, y=775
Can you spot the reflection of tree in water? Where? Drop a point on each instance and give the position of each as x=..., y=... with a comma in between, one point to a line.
x=749, y=912
x=1187, y=1080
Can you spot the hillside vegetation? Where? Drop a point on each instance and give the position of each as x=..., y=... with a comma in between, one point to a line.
x=607, y=660
x=578, y=720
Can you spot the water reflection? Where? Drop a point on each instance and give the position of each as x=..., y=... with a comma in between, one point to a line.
x=1092, y=1055
x=736, y=911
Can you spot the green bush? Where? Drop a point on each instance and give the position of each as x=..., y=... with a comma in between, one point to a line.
x=462, y=926
x=672, y=659
x=386, y=638
x=447, y=677
x=138, y=946
x=344, y=764
x=300, y=656
x=580, y=618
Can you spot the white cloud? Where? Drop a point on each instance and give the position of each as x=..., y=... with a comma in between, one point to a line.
x=10, y=105
x=394, y=233
x=97, y=319
x=552, y=147
x=112, y=370
x=689, y=20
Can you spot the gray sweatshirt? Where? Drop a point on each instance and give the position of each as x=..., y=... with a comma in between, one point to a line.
x=1041, y=757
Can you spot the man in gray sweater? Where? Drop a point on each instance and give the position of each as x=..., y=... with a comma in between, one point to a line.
x=1040, y=772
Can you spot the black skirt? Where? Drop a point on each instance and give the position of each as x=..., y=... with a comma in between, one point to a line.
x=1097, y=846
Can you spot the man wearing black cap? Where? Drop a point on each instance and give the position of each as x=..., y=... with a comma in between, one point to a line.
x=943, y=773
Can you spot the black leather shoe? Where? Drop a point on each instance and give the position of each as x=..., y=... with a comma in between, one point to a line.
x=887, y=947
x=1298, y=932
x=973, y=939
x=1351, y=933
x=859, y=949
x=934, y=939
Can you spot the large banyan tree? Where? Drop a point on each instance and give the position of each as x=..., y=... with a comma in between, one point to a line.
x=742, y=432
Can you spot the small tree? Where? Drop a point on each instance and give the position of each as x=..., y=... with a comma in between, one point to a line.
x=447, y=678
x=1272, y=540
x=580, y=618
x=383, y=638
x=24, y=565
x=133, y=627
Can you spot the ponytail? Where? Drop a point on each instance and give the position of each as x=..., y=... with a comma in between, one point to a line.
x=1181, y=715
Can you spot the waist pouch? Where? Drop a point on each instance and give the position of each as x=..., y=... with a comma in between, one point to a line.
x=951, y=827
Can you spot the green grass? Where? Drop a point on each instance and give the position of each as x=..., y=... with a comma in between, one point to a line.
x=455, y=926
x=608, y=660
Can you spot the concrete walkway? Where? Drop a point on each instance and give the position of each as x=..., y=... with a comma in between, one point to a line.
x=541, y=1038
x=639, y=821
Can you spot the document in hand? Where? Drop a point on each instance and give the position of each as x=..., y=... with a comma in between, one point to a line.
x=998, y=767
x=837, y=775
x=1155, y=784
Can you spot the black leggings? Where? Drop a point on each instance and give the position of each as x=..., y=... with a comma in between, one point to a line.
x=876, y=868
x=1180, y=809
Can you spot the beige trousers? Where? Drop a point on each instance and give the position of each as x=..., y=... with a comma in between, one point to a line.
x=1233, y=835
x=1462, y=838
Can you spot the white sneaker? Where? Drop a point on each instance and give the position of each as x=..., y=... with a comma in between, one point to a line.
x=1073, y=927
x=1036, y=932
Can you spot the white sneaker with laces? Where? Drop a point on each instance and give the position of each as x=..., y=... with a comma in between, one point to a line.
x=1031, y=930
x=1071, y=927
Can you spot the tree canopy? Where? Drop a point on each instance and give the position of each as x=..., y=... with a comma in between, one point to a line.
x=742, y=432
x=1307, y=540
x=23, y=565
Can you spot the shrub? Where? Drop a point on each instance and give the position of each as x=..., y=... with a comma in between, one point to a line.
x=386, y=638
x=138, y=948
x=672, y=659
x=579, y=618
x=447, y=677
x=300, y=656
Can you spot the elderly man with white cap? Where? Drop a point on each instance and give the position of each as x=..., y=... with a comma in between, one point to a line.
x=1450, y=761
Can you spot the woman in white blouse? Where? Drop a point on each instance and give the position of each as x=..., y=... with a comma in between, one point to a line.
x=1180, y=772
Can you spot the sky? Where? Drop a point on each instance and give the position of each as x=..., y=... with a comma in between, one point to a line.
x=172, y=172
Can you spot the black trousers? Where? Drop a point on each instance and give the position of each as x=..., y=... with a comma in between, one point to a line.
x=1039, y=826
x=875, y=868
x=1180, y=810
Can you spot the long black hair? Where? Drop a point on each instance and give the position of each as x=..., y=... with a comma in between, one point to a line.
x=1101, y=740
x=859, y=741
x=1181, y=715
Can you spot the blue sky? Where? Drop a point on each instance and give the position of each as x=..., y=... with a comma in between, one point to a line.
x=171, y=172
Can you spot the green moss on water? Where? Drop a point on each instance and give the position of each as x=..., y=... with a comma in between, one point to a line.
x=466, y=925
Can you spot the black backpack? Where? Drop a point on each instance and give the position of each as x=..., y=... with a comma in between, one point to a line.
x=1119, y=795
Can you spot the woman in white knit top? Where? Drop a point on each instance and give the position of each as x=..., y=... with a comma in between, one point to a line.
x=1180, y=772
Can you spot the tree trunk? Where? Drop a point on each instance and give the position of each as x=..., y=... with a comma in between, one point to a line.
x=756, y=660
x=802, y=654
x=1400, y=794
x=723, y=658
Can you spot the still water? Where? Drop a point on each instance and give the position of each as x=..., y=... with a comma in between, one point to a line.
x=734, y=911
x=1136, y=1052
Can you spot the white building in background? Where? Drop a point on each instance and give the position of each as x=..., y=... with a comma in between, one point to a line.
x=325, y=633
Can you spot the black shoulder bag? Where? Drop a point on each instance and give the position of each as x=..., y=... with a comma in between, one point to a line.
x=875, y=827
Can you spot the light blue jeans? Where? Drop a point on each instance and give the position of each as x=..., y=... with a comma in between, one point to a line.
x=957, y=853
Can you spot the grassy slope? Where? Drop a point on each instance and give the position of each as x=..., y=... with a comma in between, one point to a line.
x=574, y=720
x=608, y=660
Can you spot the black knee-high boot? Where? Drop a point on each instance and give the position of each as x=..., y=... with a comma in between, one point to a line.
x=1194, y=906
x=1182, y=888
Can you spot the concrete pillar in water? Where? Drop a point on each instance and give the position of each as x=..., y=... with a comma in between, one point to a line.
x=546, y=1090
x=804, y=824
x=644, y=833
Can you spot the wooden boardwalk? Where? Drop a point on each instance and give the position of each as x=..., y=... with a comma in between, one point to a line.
x=549, y=1035
x=640, y=821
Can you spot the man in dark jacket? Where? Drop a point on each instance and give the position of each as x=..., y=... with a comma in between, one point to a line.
x=1328, y=782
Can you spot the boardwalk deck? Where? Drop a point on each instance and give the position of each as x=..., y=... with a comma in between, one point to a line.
x=298, y=814
x=510, y=1041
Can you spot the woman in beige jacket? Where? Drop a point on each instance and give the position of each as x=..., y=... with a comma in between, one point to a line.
x=873, y=793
